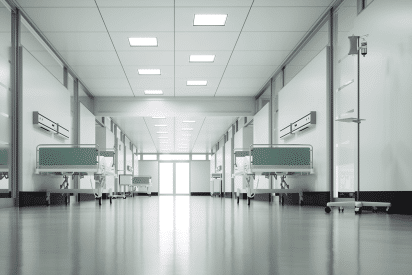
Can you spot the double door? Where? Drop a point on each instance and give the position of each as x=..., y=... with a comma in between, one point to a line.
x=174, y=178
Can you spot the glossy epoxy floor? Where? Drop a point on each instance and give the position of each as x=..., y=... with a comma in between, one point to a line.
x=201, y=235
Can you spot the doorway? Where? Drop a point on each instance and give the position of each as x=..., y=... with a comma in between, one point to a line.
x=174, y=178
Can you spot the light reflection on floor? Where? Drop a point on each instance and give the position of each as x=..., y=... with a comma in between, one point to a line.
x=201, y=235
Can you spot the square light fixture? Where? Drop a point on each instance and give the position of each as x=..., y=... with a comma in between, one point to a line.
x=162, y=137
x=143, y=41
x=201, y=58
x=148, y=71
x=153, y=92
x=164, y=142
x=162, y=132
x=188, y=121
x=187, y=129
x=155, y=117
x=196, y=83
x=160, y=125
x=209, y=20
x=187, y=135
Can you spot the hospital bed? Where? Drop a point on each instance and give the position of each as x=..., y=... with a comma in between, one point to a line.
x=272, y=160
x=137, y=182
x=4, y=167
x=75, y=159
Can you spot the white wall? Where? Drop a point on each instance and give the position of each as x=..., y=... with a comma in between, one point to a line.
x=150, y=167
x=306, y=92
x=228, y=166
x=42, y=92
x=200, y=176
x=261, y=136
x=385, y=96
x=87, y=136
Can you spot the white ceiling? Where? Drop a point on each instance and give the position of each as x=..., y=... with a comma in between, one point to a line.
x=92, y=36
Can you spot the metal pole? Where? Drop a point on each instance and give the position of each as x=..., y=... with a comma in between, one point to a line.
x=329, y=102
x=17, y=109
x=357, y=193
x=76, y=128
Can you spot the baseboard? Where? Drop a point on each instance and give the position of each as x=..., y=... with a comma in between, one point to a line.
x=199, y=193
x=401, y=201
x=5, y=195
x=145, y=194
x=31, y=198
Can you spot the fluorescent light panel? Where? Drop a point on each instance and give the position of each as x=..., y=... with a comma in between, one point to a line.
x=188, y=121
x=162, y=132
x=143, y=41
x=196, y=83
x=155, y=117
x=202, y=58
x=148, y=71
x=187, y=129
x=210, y=20
x=162, y=137
x=153, y=92
x=160, y=125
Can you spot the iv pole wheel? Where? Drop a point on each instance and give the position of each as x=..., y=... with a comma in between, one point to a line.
x=100, y=201
x=327, y=209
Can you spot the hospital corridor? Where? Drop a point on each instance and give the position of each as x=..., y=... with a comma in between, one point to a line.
x=205, y=137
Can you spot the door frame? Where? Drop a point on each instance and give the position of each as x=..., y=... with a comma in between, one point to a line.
x=174, y=176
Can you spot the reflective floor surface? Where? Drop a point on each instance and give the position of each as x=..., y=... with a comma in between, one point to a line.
x=201, y=235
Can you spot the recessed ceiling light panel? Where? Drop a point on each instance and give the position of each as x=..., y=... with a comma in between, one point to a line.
x=155, y=117
x=148, y=71
x=187, y=129
x=210, y=20
x=162, y=132
x=143, y=41
x=153, y=92
x=188, y=121
x=160, y=125
x=202, y=58
x=196, y=82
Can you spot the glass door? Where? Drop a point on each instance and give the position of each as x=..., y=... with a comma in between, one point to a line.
x=174, y=178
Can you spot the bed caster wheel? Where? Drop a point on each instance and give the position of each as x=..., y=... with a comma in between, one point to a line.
x=301, y=203
x=327, y=209
x=238, y=199
x=100, y=201
x=124, y=197
x=341, y=209
x=283, y=200
x=248, y=201
x=111, y=200
x=375, y=210
x=358, y=210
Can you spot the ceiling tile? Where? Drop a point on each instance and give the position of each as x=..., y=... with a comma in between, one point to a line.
x=165, y=41
x=56, y=3
x=67, y=19
x=146, y=58
x=239, y=91
x=99, y=71
x=268, y=41
x=242, y=82
x=250, y=71
x=199, y=71
x=221, y=57
x=132, y=73
x=195, y=91
x=152, y=83
x=212, y=82
x=167, y=92
x=80, y=41
x=258, y=58
x=281, y=3
x=138, y=19
x=213, y=3
x=134, y=3
x=282, y=18
x=209, y=41
x=105, y=83
x=90, y=58
x=234, y=21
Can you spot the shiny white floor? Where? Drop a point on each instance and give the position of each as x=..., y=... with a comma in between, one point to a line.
x=201, y=235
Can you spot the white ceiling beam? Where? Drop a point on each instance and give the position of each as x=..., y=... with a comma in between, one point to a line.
x=172, y=107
